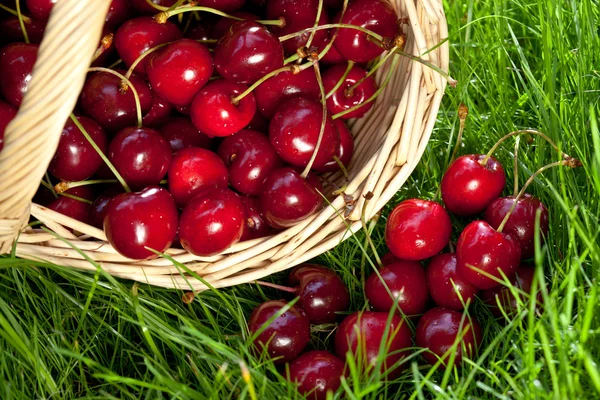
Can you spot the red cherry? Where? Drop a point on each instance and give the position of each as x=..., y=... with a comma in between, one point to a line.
x=140, y=34
x=440, y=328
x=389, y=258
x=181, y=133
x=284, y=86
x=286, y=336
x=247, y=52
x=521, y=223
x=322, y=293
x=250, y=158
x=258, y=123
x=344, y=151
x=142, y=6
x=223, y=24
x=159, y=113
x=7, y=113
x=118, y=12
x=332, y=56
x=342, y=99
x=136, y=220
x=480, y=246
x=16, y=64
x=141, y=155
x=376, y=15
x=40, y=9
x=255, y=226
x=287, y=198
x=193, y=170
x=214, y=113
x=211, y=222
x=406, y=280
x=178, y=71
x=468, y=187
x=98, y=210
x=222, y=5
x=417, y=229
x=502, y=295
x=368, y=329
x=317, y=373
x=294, y=132
x=446, y=286
x=10, y=30
x=73, y=208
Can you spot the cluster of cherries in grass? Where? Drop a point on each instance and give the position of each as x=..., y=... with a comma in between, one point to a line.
x=214, y=135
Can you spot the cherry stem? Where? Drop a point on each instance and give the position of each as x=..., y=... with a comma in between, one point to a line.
x=178, y=3
x=25, y=18
x=463, y=113
x=22, y=21
x=163, y=16
x=516, y=167
x=451, y=81
x=276, y=286
x=342, y=166
x=323, y=120
x=63, y=186
x=569, y=162
x=105, y=44
x=141, y=57
x=451, y=246
x=329, y=26
x=380, y=62
x=291, y=59
x=317, y=18
x=341, y=80
x=100, y=153
x=520, y=132
x=291, y=68
x=48, y=185
x=114, y=65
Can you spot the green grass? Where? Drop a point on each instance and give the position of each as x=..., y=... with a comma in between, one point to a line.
x=519, y=64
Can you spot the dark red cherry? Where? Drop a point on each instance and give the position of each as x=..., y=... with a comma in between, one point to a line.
x=344, y=151
x=181, y=133
x=7, y=113
x=74, y=208
x=258, y=123
x=275, y=91
x=200, y=31
x=286, y=336
x=214, y=113
x=159, y=113
x=294, y=132
x=448, y=288
x=376, y=15
x=407, y=283
x=223, y=24
x=193, y=170
x=178, y=71
x=521, y=223
x=98, y=210
x=10, y=30
x=481, y=247
x=440, y=328
x=255, y=226
x=504, y=297
x=16, y=64
x=111, y=103
x=141, y=155
x=344, y=98
x=316, y=373
x=222, y=5
x=247, y=52
x=142, y=6
x=118, y=12
x=322, y=293
x=417, y=229
x=184, y=110
x=140, y=34
x=212, y=222
x=468, y=187
x=332, y=56
x=136, y=220
x=40, y=9
x=368, y=329
x=287, y=198
x=250, y=159
x=389, y=258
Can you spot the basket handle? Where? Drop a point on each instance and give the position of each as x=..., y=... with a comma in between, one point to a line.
x=70, y=39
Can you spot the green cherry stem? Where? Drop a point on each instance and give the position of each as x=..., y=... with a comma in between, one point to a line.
x=22, y=21
x=341, y=80
x=330, y=26
x=318, y=17
x=516, y=167
x=520, y=132
x=163, y=16
x=9, y=10
x=323, y=121
x=72, y=196
x=142, y=56
x=451, y=81
x=105, y=44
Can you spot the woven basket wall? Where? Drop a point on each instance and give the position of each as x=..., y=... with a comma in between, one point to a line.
x=390, y=140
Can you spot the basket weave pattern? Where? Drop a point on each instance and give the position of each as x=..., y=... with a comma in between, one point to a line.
x=389, y=142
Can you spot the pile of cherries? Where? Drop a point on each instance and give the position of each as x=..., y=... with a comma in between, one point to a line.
x=215, y=121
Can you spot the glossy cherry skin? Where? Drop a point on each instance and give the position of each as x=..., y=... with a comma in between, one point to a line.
x=284, y=338
x=220, y=28
x=468, y=187
x=211, y=222
x=250, y=159
x=140, y=34
x=222, y=5
x=480, y=246
x=98, y=210
x=345, y=149
x=181, y=133
x=417, y=229
x=255, y=226
x=118, y=12
x=73, y=208
x=247, y=52
x=75, y=158
x=503, y=296
x=40, y=9
x=376, y=15
x=10, y=30
x=104, y=99
x=287, y=198
x=16, y=64
x=322, y=293
x=521, y=223
x=294, y=132
x=159, y=113
x=446, y=286
x=407, y=283
x=7, y=113
x=214, y=113
x=136, y=220
x=367, y=329
x=438, y=330
x=317, y=372
x=178, y=71
x=342, y=99
x=141, y=155
x=286, y=85
x=142, y=6
x=193, y=170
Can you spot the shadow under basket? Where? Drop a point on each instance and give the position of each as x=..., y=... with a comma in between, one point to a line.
x=389, y=140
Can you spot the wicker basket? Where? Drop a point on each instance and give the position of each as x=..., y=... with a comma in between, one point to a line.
x=390, y=140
